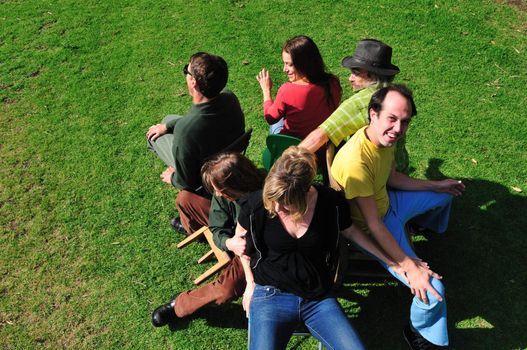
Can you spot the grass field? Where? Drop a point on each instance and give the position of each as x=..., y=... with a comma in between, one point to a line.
x=86, y=249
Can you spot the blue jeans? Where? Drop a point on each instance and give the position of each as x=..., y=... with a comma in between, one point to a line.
x=431, y=211
x=274, y=315
x=277, y=127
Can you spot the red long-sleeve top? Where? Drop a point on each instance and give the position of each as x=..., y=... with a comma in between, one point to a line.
x=303, y=107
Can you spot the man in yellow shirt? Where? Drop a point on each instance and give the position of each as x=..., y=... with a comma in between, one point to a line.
x=364, y=168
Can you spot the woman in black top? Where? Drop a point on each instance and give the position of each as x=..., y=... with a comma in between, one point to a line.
x=292, y=230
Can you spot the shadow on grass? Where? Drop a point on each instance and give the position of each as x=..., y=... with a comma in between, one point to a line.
x=228, y=315
x=482, y=258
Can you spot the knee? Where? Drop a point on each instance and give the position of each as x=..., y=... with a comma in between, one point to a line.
x=440, y=288
x=445, y=198
x=226, y=294
x=183, y=198
x=167, y=118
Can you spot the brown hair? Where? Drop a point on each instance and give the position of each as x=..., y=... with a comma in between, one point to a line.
x=232, y=173
x=308, y=62
x=211, y=73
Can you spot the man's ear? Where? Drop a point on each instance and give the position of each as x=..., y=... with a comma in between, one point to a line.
x=372, y=114
x=193, y=83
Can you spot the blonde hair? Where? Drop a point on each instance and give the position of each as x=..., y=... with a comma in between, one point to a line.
x=289, y=181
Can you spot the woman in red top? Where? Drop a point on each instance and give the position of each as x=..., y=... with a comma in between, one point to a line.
x=309, y=97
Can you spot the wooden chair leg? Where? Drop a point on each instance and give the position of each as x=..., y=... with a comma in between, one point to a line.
x=192, y=237
x=218, y=266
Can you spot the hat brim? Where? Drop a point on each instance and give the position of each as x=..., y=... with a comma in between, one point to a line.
x=351, y=62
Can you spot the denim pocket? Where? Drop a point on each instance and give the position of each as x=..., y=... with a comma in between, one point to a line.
x=264, y=292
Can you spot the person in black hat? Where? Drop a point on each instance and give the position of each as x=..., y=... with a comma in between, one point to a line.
x=371, y=69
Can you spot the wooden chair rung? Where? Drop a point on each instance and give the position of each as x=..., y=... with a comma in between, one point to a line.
x=206, y=257
x=222, y=257
x=192, y=237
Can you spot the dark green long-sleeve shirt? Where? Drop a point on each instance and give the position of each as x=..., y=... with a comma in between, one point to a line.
x=206, y=129
x=223, y=217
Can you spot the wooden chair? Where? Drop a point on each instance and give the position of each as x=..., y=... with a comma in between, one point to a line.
x=222, y=257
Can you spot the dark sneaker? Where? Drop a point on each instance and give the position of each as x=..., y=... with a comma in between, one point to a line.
x=178, y=226
x=164, y=315
x=416, y=340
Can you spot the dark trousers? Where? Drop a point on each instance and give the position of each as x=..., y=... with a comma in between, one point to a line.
x=229, y=285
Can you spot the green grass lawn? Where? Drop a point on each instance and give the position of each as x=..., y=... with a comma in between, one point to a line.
x=86, y=249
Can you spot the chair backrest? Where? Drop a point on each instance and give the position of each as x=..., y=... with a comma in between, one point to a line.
x=241, y=143
x=276, y=145
x=330, y=155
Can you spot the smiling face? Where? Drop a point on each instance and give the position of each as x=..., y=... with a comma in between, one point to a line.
x=391, y=123
x=289, y=68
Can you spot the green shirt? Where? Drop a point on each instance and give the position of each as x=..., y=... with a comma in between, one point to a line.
x=223, y=216
x=207, y=129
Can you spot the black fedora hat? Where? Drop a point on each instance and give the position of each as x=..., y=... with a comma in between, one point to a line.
x=373, y=56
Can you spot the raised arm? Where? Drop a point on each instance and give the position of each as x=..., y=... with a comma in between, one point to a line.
x=266, y=84
x=316, y=139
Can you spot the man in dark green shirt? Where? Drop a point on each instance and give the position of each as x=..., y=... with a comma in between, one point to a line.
x=214, y=121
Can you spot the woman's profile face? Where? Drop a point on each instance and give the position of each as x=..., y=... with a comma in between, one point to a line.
x=289, y=68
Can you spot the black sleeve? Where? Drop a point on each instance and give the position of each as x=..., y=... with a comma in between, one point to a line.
x=245, y=210
x=248, y=203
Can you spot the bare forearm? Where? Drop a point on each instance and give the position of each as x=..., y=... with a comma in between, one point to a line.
x=356, y=235
x=316, y=139
x=386, y=241
x=246, y=264
x=267, y=95
x=404, y=182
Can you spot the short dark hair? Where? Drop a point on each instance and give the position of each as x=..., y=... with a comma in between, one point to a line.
x=232, y=173
x=378, y=98
x=211, y=73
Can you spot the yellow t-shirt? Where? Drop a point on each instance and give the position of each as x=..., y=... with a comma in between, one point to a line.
x=362, y=170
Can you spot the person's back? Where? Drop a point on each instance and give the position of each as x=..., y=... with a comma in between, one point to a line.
x=304, y=107
x=207, y=129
